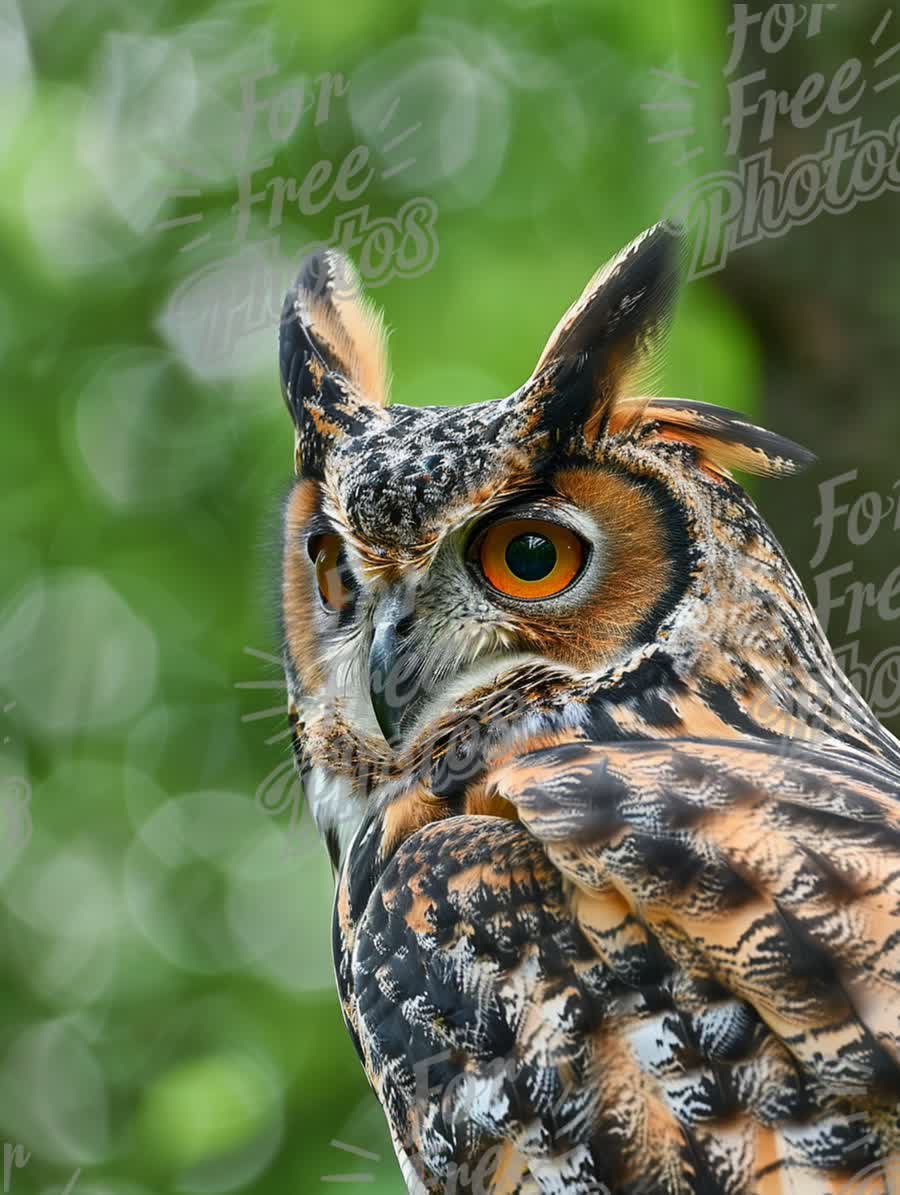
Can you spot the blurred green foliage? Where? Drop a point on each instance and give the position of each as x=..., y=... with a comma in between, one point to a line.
x=168, y=1016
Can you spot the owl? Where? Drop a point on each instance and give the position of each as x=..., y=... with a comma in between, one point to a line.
x=616, y=844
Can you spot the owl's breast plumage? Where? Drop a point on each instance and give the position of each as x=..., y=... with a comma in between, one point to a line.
x=646, y=978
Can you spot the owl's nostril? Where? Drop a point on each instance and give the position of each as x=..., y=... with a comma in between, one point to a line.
x=404, y=626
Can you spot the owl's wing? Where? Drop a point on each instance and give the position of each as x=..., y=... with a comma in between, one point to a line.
x=679, y=971
x=769, y=877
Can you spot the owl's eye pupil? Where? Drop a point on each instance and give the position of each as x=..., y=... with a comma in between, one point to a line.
x=530, y=557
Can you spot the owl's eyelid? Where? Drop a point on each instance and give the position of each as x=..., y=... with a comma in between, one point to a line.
x=543, y=510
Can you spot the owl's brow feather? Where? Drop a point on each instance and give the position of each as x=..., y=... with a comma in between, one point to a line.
x=389, y=563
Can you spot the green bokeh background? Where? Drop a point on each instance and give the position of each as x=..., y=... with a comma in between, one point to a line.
x=168, y=1016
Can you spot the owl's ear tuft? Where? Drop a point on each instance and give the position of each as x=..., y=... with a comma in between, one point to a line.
x=609, y=337
x=332, y=355
x=724, y=439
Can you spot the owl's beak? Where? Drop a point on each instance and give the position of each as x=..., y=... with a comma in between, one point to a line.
x=394, y=676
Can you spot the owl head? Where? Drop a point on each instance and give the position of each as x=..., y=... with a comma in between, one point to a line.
x=427, y=549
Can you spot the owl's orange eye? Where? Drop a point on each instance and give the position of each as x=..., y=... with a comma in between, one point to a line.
x=530, y=558
x=325, y=551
